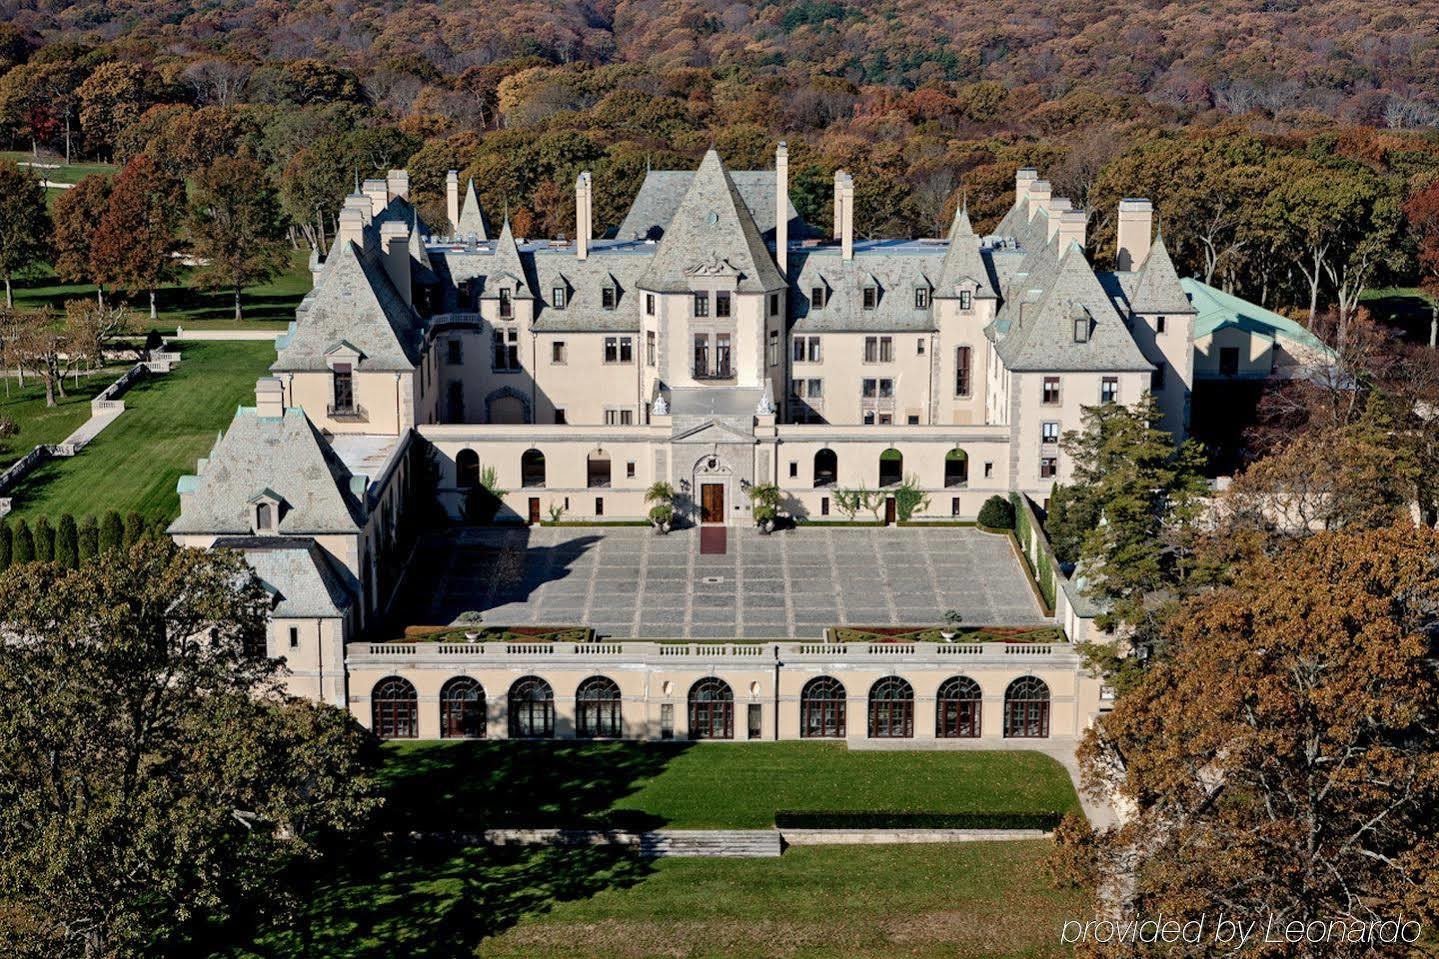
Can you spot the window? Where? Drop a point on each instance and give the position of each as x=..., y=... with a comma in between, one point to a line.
x=627, y=349
x=609, y=296
x=344, y=388
x=793, y=469
x=962, y=377
x=531, y=709
x=294, y=637
x=467, y=469
x=1026, y=709
x=891, y=709
x=1049, y=432
x=457, y=402
x=806, y=349
x=264, y=516
x=891, y=467
x=722, y=303
x=871, y=297
x=772, y=349
x=701, y=304
x=558, y=297
x=667, y=720
x=720, y=368
x=821, y=709
x=817, y=297
x=966, y=300
x=878, y=349
x=774, y=304
x=462, y=709
x=1159, y=324
x=1081, y=329
x=919, y=346
x=912, y=419
x=455, y=355
x=756, y=721
x=507, y=308
x=649, y=304
x=559, y=353
x=702, y=355
x=954, y=508
x=1050, y=396
x=824, y=506
x=1229, y=361
x=956, y=468
x=560, y=416
x=1109, y=389
x=989, y=471
x=650, y=348
x=957, y=709
x=711, y=703
x=722, y=355
x=869, y=417
x=507, y=350
x=394, y=709
x=1048, y=467
x=630, y=468
x=617, y=416
x=619, y=349
x=599, y=506
x=1156, y=379
x=597, y=709
x=921, y=297
x=532, y=468
x=597, y=471
x=826, y=467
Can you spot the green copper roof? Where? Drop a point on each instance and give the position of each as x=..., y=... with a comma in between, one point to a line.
x=1215, y=309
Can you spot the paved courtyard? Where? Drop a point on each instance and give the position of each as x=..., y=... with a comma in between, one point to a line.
x=627, y=582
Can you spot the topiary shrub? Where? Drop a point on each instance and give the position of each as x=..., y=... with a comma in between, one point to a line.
x=997, y=513
x=112, y=532
x=24, y=550
x=89, y=539
x=67, y=542
x=6, y=543
x=44, y=540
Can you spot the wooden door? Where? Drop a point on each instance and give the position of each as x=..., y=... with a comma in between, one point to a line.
x=889, y=511
x=534, y=510
x=712, y=503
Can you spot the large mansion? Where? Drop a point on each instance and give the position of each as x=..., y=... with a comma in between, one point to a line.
x=714, y=343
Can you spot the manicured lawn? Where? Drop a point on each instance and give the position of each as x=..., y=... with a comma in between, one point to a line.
x=169, y=421
x=464, y=785
x=41, y=424
x=59, y=174
x=1408, y=308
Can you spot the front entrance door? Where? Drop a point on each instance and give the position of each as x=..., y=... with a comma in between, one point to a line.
x=534, y=510
x=711, y=502
x=889, y=511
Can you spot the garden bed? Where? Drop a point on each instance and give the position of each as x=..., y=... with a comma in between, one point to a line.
x=931, y=634
x=499, y=634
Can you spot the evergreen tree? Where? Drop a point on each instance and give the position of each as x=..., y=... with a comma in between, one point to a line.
x=24, y=549
x=67, y=543
x=112, y=532
x=6, y=542
x=44, y=540
x=89, y=539
x=134, y=529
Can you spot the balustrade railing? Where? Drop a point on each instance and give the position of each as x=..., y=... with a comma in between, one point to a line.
x=645, y=650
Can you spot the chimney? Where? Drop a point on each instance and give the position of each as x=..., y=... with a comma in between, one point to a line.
x=846, y=208
x=395, y=250
x=1057, y=207
x=781, y=208
x=398, y=184
x=1039, y=194
x=452, y=199
x=1072, y=224
x=1136, y=217
x=838, y=203
x=354, y=217
x=379, y=193
x=584, y=215
x=269, y=398
x=1022, y=180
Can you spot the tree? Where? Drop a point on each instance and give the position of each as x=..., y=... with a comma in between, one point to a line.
x=112, y=98
x=1422, y=214
x=67, y=542
x=134, y=245
x=236, y=228
x=997, y=513
x=88, y=540
x=1281, y=764
x=77, y=214
x=44, y=540
x=7, y=545
x=157, y=784
x=30, y=341
x=24, y=549
x=112, y=532
x=134, y=529
x=24, y=225
x=92, y=327
x=8, y=429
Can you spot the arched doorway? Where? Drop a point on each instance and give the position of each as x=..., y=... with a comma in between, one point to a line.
x=891, y=468
x=532, y=709
x=711, y=703
x=462, y=709
x=891, y=709
x=821, y=709
x=957, y=709
x=956, y=468
x=597, y=709
x=826, y=468
x=394, y=709
x=532, y=468
x=467, y=469
x=1026, y=709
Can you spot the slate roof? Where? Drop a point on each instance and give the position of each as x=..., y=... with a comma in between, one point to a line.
x=660, y=194
x=353, y=301
x=712, y=229
x=962, y=260
x=285, y=455
x=472, y=217
x=894, y=274
x=1156, y=284
x=300, y=578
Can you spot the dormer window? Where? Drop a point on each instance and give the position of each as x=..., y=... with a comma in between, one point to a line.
x=264, y=517
x=871, y=297
x=265, y=512
x=921, y=297
x=722, y=304
x=507, y=307
x=1081, y=329
x=701, y=304
x=557, y=298
x=817, y=297
x=609, y=296
x=966, y=300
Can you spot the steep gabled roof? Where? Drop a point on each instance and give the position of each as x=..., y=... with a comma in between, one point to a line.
x=962, y=260
x=660, y=194
x=507, y=262
x=285, y=458
x=1156, y=284
x=1040, y=332
x=301, y=579
x=712, y=230
x=353, y=301
x=472, y=217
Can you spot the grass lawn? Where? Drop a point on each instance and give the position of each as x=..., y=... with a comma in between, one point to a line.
x=270, y=306
x=1408, y=308
x=39, y=424
x=169, y=421
x=466, y=785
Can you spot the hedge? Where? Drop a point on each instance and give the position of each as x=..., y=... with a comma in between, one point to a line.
x=1040, y=559
x=801, y=819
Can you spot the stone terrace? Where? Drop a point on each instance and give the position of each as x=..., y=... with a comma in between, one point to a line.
x=627, y=582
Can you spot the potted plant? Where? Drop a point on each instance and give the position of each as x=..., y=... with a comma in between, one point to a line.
x=662, y=513
x=765, y=497
x=952, y=621
x=471, y=620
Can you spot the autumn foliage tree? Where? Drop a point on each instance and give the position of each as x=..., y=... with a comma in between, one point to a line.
x=78, y=213
x=135, y=243
x=24, y=225
x=236, y=228
x=1283, y=762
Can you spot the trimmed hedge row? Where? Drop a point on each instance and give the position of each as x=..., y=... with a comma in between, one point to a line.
x=69, y=543
x=1041, y=563
x=800, y=819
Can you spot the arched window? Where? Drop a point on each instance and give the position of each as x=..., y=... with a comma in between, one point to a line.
x=394, y=709
x=598, y=470
x=462, y=709
x=597, y=704
x=891, y=467
x=711, y=709
x=957, y=709
x=821, y=709
x=532, y=709
x=891, y=709
x=956, y=468
x=1026, y=709
x=467, y=469
x=264, y=517
x=532, y=468
x=826, y=467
